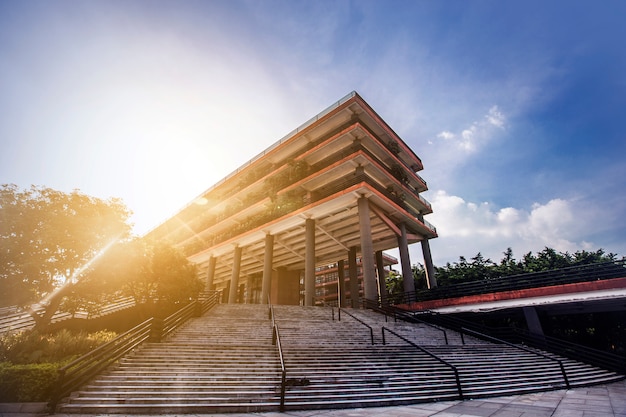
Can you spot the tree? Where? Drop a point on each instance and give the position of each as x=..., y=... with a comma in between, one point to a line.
x=548, y=259
x=48, y=240
x=394, y=284
x=153, y=273
x=508, y=265
x=419, y=277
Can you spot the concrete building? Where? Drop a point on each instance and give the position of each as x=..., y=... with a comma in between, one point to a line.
x=341, y=186
x=332, y=282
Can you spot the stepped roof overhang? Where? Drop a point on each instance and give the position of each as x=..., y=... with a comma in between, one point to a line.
x=318, y=171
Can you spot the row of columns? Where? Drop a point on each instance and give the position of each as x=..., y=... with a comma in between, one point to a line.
x=371, y=263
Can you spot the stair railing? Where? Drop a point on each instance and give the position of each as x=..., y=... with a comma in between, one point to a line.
x=568, y=275
x=360, y=321
x=276, y=342
x=599, y=358
x=395, y=312
x=519, y=347
x=84, y=368
x=429, y=353
x=81, y=370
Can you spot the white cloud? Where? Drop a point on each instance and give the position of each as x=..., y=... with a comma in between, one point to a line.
x=495, y=117
x=446, y=135
x=466, y=228
x=478, y=134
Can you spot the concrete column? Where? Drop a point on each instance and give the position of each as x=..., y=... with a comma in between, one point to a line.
x=429, y=268
x=210, y=273
x=309, y=263
x=367, y=252
x=532, y=321
x=267, y=267
x=407, y=272
x=354, y=280
x=341, y=284
x=382, y=280
x=234, y=278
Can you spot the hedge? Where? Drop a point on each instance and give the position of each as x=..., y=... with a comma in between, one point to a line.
x=26, y=383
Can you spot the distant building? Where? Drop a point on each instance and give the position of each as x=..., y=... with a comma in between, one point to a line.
x=340, y=186
x=328, y=284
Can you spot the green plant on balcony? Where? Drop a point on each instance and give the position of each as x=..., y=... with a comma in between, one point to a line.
x=393, y=147
x=399, y=173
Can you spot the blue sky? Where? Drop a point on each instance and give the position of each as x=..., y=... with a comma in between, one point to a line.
x=517, y=108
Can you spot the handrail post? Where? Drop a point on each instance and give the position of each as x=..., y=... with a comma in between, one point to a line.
x=458, y=383
x=283, y=383
x=565, y=378
x=156, y=330
x=197, y=308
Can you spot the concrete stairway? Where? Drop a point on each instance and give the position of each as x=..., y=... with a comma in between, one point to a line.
x=225, y=362
x=339, y=367
x=222, y=362
x=488, y=369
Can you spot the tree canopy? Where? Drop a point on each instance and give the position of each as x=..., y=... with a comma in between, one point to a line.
x=70, y=251
x=153, y=273
x=49, y=236
x=479, y=267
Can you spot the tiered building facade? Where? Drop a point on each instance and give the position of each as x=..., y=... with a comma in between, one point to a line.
x=341, y=187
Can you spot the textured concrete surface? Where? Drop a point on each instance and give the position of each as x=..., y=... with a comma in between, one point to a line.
x=599, y=401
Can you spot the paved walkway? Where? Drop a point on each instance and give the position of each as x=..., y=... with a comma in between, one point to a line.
x=599, y=401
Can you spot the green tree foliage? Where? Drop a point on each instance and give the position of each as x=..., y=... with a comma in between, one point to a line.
x=153, y=273
x=48, y=238
x=394, y=283
x=480, y=268
x=72, y=251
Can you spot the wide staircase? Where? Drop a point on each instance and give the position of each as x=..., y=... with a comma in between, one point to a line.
x=221, y=362
x=225, y=361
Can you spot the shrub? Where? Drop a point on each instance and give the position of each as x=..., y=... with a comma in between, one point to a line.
x=34, y=347
x=29, y=361
x=26, y=383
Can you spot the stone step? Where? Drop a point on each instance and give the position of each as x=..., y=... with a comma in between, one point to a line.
x=224, y=362
x=170, y=407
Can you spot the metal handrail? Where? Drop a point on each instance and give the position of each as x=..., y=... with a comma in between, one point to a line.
x=174, y=321
x=373, y=305
x=497, y=340
x=360, y=321
x=568, y=275
x=429, y=353
x=87, y=366
x=276, y=342
x=599, y=358
x=82, y=369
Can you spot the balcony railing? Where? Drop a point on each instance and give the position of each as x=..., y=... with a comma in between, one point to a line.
x=290, y=205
